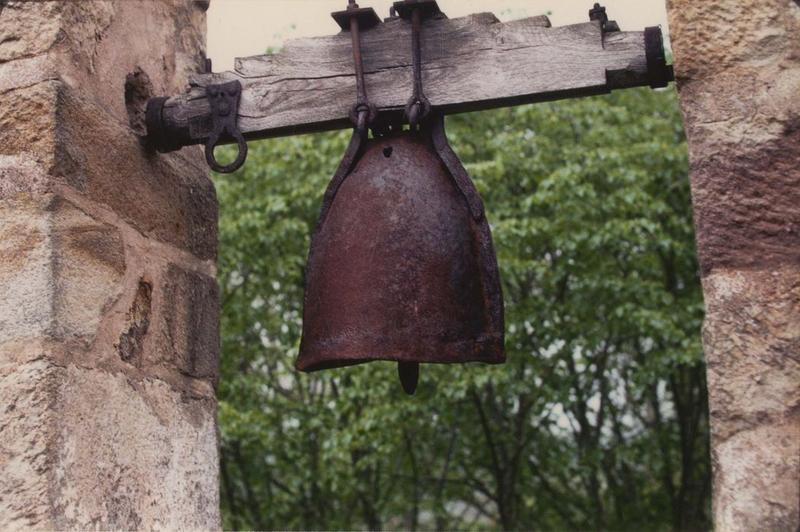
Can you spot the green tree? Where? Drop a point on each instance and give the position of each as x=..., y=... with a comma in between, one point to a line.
x=599, y=418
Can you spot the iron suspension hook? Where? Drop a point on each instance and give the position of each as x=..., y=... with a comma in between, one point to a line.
x=354, y=19
x=418, y=106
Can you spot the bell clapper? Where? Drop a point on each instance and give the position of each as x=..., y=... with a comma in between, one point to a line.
x=409, y=376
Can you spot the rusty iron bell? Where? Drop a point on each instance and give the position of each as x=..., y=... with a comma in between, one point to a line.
x=402, y=266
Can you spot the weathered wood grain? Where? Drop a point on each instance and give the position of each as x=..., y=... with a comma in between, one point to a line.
x=469, y=63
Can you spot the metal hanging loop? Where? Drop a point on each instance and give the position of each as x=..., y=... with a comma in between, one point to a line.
x=224, y=101
x=418, y=107
x=354, y=19
x=362, y=113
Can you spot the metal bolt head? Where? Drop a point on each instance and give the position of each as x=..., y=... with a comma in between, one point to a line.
x=598, y=12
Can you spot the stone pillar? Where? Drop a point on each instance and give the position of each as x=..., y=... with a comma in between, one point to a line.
x=738, y=70
x=108, y=299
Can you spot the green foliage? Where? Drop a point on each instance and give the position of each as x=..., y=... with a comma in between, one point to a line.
x=597, y=421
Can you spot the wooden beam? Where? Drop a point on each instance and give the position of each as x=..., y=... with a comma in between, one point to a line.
x=470, y=63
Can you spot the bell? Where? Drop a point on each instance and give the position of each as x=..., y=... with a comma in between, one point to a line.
x=402, y=266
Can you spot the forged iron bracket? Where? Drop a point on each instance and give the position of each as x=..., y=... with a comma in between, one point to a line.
x=659, y=73
x=159, y=136
x=216, y=127
x=428, y=8
x=354, y=19
x=366, y=16
x=418, y=106
x=455, y=167
x=598, y=12
x=224, y=102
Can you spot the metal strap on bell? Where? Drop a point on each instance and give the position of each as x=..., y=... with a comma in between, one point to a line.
x=402, y=266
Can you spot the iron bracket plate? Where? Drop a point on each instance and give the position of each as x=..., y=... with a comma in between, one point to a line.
x=367, y=18
x=217, y=127
x=162, y=138
x=598, y=13
x=404, y=8
x=223, y=99
x=658, y=71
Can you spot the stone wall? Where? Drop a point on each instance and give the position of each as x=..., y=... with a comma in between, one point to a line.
x=737, y=64
x=108, y=299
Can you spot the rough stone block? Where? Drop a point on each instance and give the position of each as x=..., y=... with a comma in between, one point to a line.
x=71, y=122
x=169, y=198
x=92, y=434
x=107, y=451
x=26, y=426
x=73, y=273
x=747, y=205
x=740, y=109
x=89, y=264
x=738, y=68
x=26, y=278
x=28, y=121
x=63, y=275
x=149, y=448
x=744, y=32
x=27, y=72
x=107, y=46
x=29, y=28
x=60, y=269
x=752, y=340
x=91, y=41
x=190, y=314
x=21, y=174
x=753, y=490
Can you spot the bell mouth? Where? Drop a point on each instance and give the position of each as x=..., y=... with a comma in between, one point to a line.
x=487, y=350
